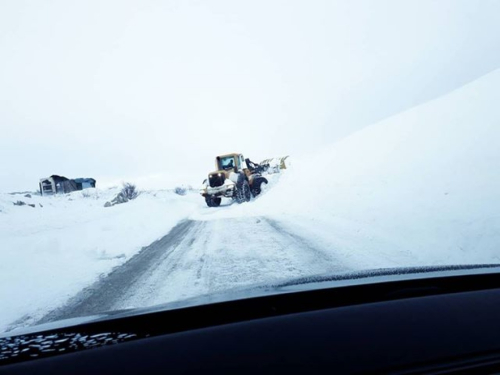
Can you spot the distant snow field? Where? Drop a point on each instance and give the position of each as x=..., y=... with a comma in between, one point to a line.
x=420, y=188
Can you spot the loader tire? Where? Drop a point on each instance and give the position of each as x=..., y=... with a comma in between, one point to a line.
x=213, y=201
x=243, y=193
x=257, y=188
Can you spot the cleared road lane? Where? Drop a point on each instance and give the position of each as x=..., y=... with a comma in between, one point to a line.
x=202, y=257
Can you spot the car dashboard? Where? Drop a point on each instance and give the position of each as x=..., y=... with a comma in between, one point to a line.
x=436, y=324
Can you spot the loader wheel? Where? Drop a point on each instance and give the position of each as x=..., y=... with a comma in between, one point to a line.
x=258, y=186
x=246, y=191
x=243, y=193
x=213, y=201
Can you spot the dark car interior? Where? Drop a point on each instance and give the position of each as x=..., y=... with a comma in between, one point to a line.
x=430, y=325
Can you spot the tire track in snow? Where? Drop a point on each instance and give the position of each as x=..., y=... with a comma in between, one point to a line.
x=202, y=257
x=102, y=295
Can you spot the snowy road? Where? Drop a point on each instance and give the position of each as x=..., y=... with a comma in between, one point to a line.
x=199, y=257
x=414, y=196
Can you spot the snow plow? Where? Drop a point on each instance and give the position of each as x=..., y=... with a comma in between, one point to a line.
x=275, y=165
x=235, y=177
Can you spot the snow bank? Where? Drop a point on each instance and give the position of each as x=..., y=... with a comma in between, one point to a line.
x=422, y=186
x=50, y=253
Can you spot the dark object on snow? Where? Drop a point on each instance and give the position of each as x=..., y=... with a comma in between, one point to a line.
x=21, y=203
x=84, y=183
x=120, y=198
x=180, y=190
x=22, y=192
x=128, y=193
x=27, y=196
x=61, y=185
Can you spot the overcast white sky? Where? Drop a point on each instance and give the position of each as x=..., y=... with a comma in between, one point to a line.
x=116, y=89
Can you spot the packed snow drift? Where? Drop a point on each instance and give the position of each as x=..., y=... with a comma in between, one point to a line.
x=425, y=182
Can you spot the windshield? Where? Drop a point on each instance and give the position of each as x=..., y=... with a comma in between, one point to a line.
x=226, y=162
x=373, y=130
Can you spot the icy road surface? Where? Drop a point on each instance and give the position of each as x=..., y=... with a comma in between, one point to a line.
x=199, y=257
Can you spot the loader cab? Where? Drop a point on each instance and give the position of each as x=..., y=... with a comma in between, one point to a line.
x=230, y=162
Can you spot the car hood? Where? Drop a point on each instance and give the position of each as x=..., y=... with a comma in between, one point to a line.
x=279, y=287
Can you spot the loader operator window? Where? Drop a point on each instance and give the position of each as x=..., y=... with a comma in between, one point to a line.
x=227, y=163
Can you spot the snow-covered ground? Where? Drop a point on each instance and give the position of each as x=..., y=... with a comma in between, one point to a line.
x=425, y=182
x=420, y=188
x=49, y=253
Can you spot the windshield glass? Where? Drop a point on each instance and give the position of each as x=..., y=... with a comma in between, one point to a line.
x=226, y=162
x=373, y=130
